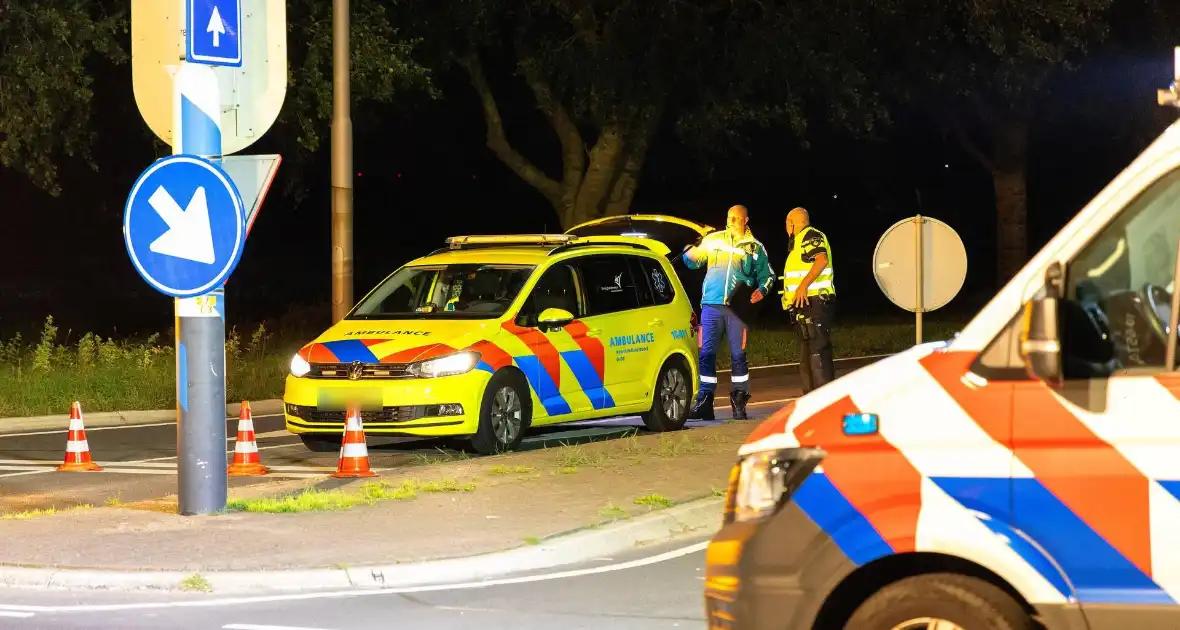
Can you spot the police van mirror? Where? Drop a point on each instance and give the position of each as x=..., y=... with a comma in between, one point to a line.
x=552, y=318
x=1040, y=343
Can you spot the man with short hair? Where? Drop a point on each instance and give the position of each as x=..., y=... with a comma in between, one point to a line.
x=733, y=259
x=809, y=297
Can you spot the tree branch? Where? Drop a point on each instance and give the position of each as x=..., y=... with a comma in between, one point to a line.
x=572, y=146
x=581, y=17
x=497, y=140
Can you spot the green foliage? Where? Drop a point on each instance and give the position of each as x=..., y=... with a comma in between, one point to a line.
x=43, y=353
x=381, y=73
x=119, y=375
x=716, y=69
x=380, y=67
x=108, y=374
x=46, y=47
x=1000, y=52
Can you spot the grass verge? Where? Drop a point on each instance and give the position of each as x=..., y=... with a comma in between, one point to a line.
x=28, y=514
x=108, y=375
x=634, y=449
x=368, y=493
x=197, y=583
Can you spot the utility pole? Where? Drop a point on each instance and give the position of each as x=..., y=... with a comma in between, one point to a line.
x=341, y=164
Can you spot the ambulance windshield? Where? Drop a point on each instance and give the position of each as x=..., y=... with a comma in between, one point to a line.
x=460, y=291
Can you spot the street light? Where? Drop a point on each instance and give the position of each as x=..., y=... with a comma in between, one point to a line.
x=341, y=165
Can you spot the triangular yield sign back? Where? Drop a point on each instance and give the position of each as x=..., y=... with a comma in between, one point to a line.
x=253, y=175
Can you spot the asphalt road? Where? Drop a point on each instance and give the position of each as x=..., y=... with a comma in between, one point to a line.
x=663, y=592
x=140, y=462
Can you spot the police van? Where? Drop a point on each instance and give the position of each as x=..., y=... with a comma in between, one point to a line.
x=1024, y=475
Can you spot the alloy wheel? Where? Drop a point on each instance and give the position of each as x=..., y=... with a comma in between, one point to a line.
x=506, y=415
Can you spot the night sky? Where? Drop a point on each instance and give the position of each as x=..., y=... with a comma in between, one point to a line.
x=421, y=174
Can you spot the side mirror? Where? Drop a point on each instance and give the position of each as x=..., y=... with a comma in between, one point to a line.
x=554, y=318
x=1040, y=342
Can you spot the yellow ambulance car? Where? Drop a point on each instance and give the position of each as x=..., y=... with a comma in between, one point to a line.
x=491, y=335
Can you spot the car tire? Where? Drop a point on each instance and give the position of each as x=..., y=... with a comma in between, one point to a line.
x=671, y=398
x=919, y=601
x=321, y=443
x=504, y=414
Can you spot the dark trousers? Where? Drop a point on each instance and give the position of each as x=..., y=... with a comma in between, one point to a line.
x=814, y=323
x=718, y=320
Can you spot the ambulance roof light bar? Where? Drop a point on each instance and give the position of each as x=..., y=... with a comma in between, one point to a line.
x=458, y=242
x=1171, y=96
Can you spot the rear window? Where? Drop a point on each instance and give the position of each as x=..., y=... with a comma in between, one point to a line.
x=662, y=290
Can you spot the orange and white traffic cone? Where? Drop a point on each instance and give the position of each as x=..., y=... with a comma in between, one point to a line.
x=77, y=448
x=354, y=453
x=246, y=460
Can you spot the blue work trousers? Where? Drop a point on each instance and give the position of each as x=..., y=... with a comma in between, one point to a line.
x=715, y=321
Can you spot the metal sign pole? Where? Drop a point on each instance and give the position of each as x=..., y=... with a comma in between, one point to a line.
x=185, y=220
x=202, y=480
x=918, y=278
x=341, y=165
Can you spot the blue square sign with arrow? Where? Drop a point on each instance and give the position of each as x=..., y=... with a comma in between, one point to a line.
x=184, y=226
x=213, y=31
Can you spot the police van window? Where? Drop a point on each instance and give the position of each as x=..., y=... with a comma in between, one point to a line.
x=557, y=288
x=1000, y=360
x=1118, y=288
x=610, y=287
x=661, y=287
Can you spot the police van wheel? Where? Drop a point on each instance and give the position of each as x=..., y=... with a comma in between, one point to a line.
x=504, y=415
x=941, y=600
x=671, y=398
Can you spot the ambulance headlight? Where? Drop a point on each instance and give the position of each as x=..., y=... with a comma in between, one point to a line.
x=299, y=366
x=450, y=365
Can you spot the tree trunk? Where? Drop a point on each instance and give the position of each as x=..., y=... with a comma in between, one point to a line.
x=606, y=159
x=1011, y=224
x=628, y=180
x=1007, y=130
x=1009, y=178
x=497, y=139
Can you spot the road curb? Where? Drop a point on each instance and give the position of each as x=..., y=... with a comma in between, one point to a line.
x=123, y=418
x=687, y=519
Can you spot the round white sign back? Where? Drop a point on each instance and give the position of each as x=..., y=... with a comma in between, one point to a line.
x=943, y=265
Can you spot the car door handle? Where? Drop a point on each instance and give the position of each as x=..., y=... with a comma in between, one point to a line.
x=593, y=332
x=656, y=322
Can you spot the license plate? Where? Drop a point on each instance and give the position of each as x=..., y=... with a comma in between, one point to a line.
x=340, y=399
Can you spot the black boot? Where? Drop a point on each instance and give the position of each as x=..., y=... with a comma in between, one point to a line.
x=702, y=407
x=737, y=402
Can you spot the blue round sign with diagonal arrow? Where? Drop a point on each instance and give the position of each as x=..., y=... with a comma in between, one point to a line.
x=184, y=226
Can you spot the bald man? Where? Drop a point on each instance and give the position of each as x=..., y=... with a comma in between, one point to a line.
x=809, y=293
x=734, y=259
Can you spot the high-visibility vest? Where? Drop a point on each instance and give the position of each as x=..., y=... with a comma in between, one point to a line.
x=796, y=269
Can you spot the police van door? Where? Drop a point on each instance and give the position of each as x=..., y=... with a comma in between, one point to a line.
x=1102, y=436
